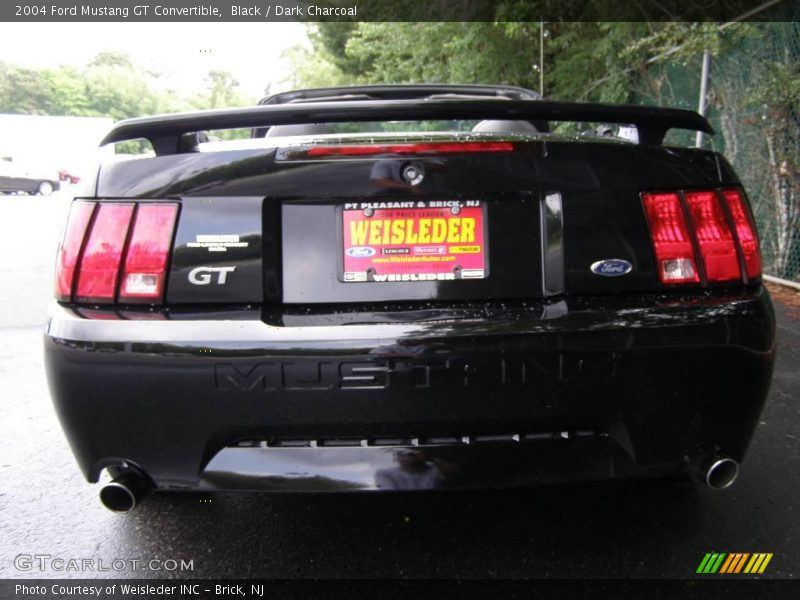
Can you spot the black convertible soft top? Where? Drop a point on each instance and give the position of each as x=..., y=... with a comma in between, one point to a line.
x=430, y=91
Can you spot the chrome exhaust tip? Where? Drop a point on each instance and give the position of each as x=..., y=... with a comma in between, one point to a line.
x=125, y=492
x=721, y=472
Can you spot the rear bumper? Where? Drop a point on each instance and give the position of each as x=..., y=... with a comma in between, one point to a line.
x=483, y=396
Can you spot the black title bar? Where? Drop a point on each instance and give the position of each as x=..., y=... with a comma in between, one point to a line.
x=394, y=10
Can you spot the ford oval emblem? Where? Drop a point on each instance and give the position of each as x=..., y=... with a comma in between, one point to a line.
x=612, y=267
x=360, y=251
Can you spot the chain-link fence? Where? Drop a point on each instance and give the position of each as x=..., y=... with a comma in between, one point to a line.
x=754, y=104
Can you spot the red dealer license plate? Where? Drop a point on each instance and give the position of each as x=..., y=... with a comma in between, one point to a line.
x=413, y=240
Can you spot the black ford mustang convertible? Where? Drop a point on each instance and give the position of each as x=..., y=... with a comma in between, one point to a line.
x=409, y=287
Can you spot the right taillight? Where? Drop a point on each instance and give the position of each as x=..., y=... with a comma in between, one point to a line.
x=115, y=251
x=148, y=250
x=745, y=231
x=707, y=228
x=671, y=241
x=714, y=237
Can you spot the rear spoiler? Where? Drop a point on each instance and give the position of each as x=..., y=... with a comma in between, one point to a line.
x=168, y=133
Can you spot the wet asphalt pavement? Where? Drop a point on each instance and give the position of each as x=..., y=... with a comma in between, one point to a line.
x=610, y=530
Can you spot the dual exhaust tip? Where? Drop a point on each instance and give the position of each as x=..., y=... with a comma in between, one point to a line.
x=125, y=492
x=717, y=471
x=130, y=488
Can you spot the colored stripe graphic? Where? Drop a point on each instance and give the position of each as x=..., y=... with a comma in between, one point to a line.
x=703, y=563
x=733, y=563
x=711, y=562
x=758, y=563
x=732, y=558
x=765, y=563
x=741, y=562
x=716, y=565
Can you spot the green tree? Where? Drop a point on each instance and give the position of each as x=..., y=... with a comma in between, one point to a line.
x=112, y=59
x=24, y=91
x=222, y=90
x=119, y=93
x=310, y=69
x=582, y=61
x=111, y=85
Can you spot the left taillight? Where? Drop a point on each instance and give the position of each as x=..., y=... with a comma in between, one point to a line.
x=115, y=251
x=69, y=251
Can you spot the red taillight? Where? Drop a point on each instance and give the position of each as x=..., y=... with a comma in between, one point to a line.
x=745, y=231
x=146, y=261
x=123, y=238
x=423, y=148
x=720, y=226
x=671, y=241
x=714, y=237
x=80, y=214
x=97, y=277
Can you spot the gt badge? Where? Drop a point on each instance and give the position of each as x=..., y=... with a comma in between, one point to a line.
x=205, y=275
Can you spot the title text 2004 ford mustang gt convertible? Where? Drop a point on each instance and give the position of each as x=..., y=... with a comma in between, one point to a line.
x=409, y=287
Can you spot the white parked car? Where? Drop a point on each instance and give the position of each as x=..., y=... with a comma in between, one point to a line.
x=16, y=177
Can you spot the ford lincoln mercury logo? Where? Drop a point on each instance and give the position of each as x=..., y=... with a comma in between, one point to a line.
x=612, y=267
x=360, y=251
